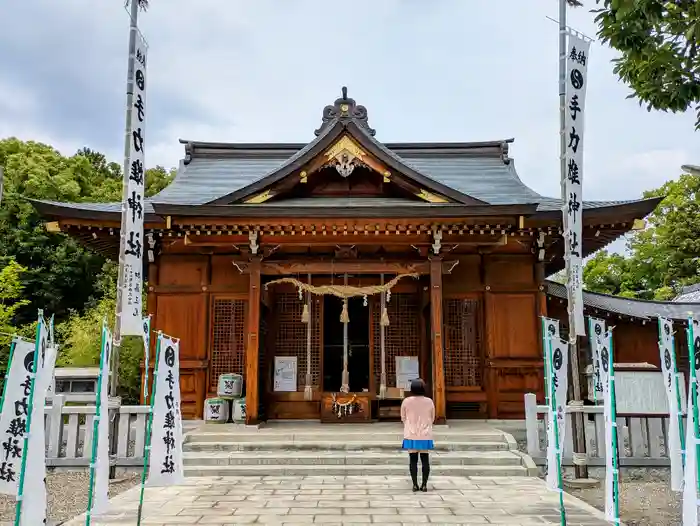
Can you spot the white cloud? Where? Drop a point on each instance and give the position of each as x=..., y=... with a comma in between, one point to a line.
x=262, y=71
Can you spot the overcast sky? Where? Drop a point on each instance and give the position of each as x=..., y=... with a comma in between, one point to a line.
x=234, y=70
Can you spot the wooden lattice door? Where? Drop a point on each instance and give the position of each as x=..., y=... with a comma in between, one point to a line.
x=402, y=336
x=463, y=357
x=228, y=339
x=290, y=338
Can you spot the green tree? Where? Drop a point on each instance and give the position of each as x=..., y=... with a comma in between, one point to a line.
x=80, y=338
x=10, y=301
x=658, y=45
x=61, y=274
x=663, y=257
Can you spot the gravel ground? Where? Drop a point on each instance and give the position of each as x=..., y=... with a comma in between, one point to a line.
x=67, y=495
x=642, y=503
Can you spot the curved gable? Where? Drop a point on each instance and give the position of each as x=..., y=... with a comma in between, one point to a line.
x=345, y=141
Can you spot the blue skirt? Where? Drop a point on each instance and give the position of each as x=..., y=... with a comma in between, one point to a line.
x=417, y=445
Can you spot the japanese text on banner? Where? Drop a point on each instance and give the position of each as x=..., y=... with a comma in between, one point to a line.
x=13, y=420
x=596, y=342
x=133, y=205
x=675, y=426
x=576, y=80
x=166, y=467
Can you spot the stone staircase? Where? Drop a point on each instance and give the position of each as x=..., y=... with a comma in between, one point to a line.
x=308, y=449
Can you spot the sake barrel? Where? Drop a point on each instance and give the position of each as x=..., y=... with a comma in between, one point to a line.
x=229, y=385
x=216, y=410
x=239, y=410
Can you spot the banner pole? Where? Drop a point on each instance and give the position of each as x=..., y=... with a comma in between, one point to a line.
x=552, y=409
x=28, y=426
x=95, y=429
x=694, y=394
x=613, y=418
x=147, y=445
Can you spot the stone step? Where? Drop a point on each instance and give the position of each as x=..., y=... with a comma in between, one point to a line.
x=325, y=458
x=212, y=433
x=369, y=445
x=351, y=470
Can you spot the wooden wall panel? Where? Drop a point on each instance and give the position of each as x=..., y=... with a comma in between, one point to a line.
x=509, y=271
x=513, y=325
x=465, y=277
x=182, y=270
x=224, y=274
x=637, y=343
x=184, y=316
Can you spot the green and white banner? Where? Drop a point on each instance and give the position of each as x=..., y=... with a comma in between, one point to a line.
x=612, y=506
x=675, y=428
x=98, y=498
x=692, y=437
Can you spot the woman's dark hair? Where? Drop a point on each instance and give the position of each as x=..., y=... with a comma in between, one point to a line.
x=417, y=387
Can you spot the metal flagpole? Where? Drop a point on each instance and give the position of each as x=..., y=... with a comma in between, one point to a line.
x=577, y=420
x=149, y=430
x=133, y=32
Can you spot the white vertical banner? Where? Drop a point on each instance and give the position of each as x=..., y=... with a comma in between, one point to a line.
x=595, y=339
x=576, y=80
x=34, y=491
x=559, y=382
x=146, y=355
x=166, y=463
x=675, y=426
x=550, y=329
x=100, y=501
x=13, y=419
x=560, y=377
x=606, y=362
x=133, y=206
x=690, y=478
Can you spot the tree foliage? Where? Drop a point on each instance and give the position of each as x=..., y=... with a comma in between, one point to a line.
x=60, y=274
x=658, y=45
x=663, y=257
x=10, y=300
x=49, y=271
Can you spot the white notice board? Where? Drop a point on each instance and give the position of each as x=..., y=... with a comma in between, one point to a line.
x=285, y=374
x=407, y=369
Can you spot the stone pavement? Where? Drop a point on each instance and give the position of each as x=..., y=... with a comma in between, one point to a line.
x=224, y=501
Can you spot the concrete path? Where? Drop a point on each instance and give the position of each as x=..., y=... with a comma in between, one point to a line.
x=508, y=501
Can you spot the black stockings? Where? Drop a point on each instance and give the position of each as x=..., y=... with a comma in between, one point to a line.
x=413, y=468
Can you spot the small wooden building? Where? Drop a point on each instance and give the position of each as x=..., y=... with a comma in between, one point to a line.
x=470, y=243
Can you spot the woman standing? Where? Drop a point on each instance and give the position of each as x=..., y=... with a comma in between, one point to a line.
x=417, y=415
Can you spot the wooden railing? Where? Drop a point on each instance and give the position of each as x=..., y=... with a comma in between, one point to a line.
x=642, y=439
x=69, y=434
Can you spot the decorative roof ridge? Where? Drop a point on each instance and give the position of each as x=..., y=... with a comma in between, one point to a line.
x=345, y=110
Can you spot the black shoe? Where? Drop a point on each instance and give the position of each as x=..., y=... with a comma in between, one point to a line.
x=424, y=487
x=415, y=488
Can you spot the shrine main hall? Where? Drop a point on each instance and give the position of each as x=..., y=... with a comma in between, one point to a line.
x=328, y=274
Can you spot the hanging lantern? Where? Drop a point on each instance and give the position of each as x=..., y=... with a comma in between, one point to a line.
x=305, y=314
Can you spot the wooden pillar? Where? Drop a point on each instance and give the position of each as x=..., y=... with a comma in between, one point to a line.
x=437, y=348
x=252, y=346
